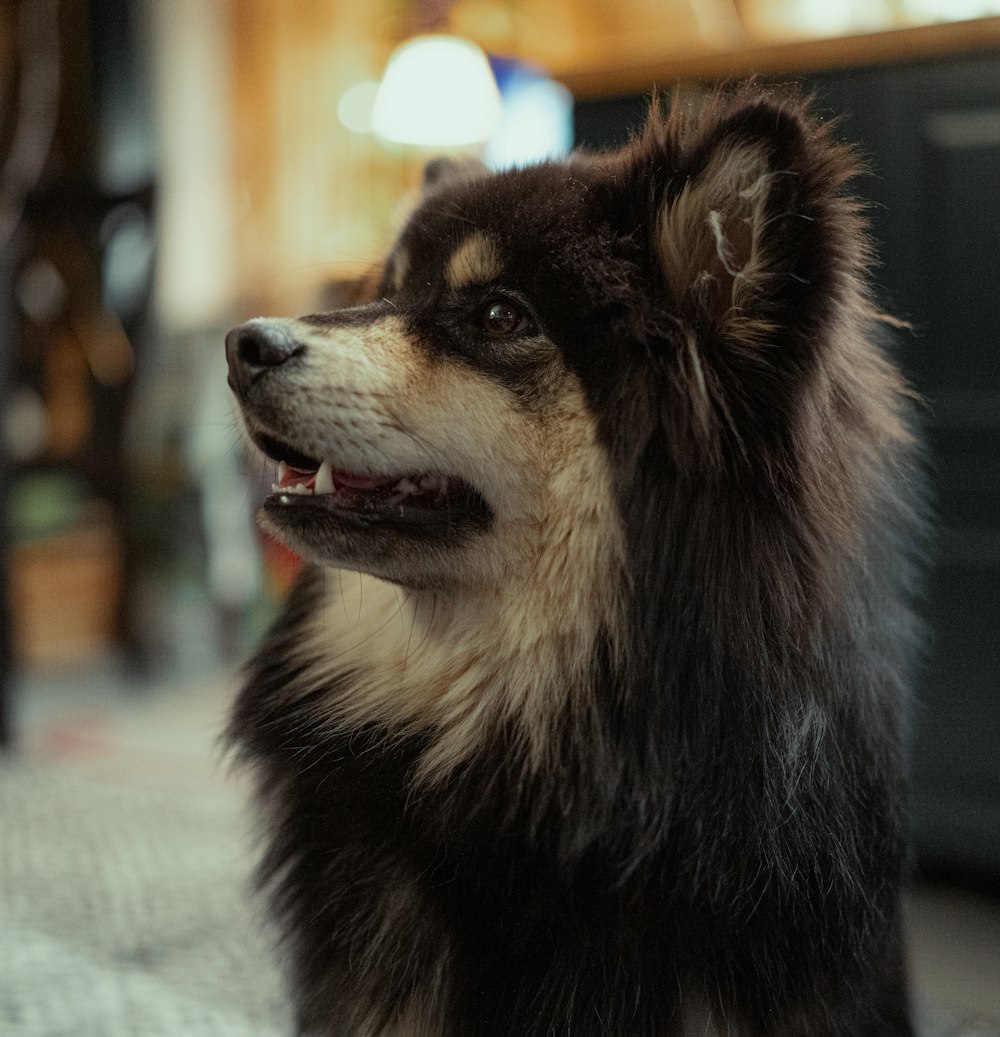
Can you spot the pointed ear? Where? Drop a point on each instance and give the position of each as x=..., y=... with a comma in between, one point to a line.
x=753, y=224
x=711, y=237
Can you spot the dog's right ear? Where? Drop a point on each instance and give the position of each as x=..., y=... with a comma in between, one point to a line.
x=752, y=231
x=441, y=171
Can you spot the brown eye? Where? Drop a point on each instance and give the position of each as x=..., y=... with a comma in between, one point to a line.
x=501, y=317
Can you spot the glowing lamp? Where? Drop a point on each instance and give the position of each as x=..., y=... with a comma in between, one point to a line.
x=437, y=91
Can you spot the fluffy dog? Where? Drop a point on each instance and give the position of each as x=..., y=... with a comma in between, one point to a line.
x=585, y=716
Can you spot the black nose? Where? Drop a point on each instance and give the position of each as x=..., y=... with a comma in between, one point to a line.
x=255, y=347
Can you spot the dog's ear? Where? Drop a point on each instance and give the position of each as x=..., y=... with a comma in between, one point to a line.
x=751, y=224
x=443, y=170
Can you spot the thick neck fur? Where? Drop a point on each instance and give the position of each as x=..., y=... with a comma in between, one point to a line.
x=457, y=666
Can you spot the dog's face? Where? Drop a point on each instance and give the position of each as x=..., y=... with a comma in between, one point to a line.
x=439, y=434
x=536, y=334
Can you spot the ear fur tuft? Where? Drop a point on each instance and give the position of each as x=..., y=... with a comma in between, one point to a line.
x=748, y=187
x=710, y=236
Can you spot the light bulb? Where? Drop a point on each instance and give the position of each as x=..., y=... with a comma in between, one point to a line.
x=437, y=91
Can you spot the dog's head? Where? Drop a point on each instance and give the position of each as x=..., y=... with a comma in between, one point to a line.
x=546, y=341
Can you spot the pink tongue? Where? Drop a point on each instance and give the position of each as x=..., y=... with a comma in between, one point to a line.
x=298, y=477
x=355, y=482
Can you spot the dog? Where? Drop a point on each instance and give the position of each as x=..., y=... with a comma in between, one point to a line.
x=587, y=713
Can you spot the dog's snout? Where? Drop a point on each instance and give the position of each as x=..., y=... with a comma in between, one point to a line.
x=256, y=346
x=260, y=344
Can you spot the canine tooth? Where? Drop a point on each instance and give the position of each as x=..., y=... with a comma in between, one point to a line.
x=282, y=470
x=324, y=479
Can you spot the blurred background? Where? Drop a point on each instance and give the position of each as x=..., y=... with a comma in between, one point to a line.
x=169, y=168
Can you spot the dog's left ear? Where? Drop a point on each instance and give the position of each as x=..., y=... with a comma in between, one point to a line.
x=750, y=222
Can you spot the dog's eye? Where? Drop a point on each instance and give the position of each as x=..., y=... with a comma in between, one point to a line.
x=502, y=317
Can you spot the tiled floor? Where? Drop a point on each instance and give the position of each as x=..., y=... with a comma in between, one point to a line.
x=166, y=736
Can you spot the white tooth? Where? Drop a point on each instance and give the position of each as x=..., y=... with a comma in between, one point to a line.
x=282, y=470
x=406, y=487
x=429, y=482
x=275, y=488
x=324, y=479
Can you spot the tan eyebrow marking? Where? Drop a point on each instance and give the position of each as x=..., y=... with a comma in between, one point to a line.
x=475, y=261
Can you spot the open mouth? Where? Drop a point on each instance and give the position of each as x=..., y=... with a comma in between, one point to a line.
x=401, y=500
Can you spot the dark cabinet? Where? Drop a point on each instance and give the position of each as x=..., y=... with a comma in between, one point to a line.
x=932, y=134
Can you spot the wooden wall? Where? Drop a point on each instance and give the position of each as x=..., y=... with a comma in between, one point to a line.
x=314, y=201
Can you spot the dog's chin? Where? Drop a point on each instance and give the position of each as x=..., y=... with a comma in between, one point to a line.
x=409, y=541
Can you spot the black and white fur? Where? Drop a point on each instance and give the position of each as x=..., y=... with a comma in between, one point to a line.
x=585, y=717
